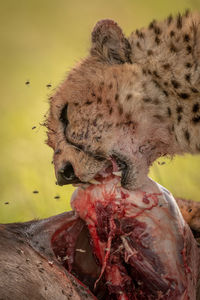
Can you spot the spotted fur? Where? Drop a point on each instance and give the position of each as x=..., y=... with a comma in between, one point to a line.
x=136, y=98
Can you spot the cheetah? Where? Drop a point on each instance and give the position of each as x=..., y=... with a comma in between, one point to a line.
x=129, y=102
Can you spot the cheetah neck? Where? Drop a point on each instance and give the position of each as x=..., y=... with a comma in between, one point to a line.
x=169, y=55
x=178, y=118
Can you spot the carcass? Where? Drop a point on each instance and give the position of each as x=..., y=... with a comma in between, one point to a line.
x=140, y=240
x=115, y=244
x=29, y=269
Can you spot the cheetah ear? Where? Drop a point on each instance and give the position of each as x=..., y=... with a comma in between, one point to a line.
x=109, y=43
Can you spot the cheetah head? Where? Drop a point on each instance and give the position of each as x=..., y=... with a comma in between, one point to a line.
x=97, y=123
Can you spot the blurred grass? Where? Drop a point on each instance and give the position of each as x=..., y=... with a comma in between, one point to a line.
x=40, y=41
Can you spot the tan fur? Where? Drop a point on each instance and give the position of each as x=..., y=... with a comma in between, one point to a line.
x=136, y=99
x=191, y=213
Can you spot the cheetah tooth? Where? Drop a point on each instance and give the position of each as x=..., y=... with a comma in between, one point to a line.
x=81, y=185
x=94, y=181
x=119, y=173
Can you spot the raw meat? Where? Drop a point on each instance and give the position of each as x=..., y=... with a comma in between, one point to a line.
x=140, y=240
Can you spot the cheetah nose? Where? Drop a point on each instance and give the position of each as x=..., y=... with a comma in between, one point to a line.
x=66, y=175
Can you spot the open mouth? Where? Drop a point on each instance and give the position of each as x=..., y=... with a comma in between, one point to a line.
x=117, y=168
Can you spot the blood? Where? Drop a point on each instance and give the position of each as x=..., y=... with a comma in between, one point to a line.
x=145, y=199
x=107, y=223
x=64, y=240
x=126, y=242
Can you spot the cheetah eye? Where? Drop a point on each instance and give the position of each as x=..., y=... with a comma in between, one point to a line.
x=63, y=116
x=99, y=158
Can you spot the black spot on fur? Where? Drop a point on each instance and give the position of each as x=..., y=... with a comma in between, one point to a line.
x=99, y=116
x=128, y=96
x=110, y=111
x=76, y=104
x=169, y=112
x=173, y=48
x=179, y=118
x=137, y=32
x=165, y=93
x=120, y=110
x=108, y=102
x=179, y=109
x=144, y=71
x=151, y=25
x=128, y=123
x=188, y=65
x=149, y=52
x=187, y=13
x=156, y=84
x=110, y=86
x=166, y=66
x=172, y=33
x=88, y=102
x=94, y=122
x=179, y=22
x=189, y=49
x=140, y=34
x=99, y=100
x=196, y=119
x=147, y=99
x=175, y=84
x=116, y=97
x=194, y=90
x=186, y=38
x=157, y=30
x=156, y=101
x=157, y=40
x=187, y=77
x=98, y=138
x=169, y=19
x=128, y=116
x=138, y=45
x=156, y=74
x=195, y=107
x=93, y=94
x=184, y=95
x=187, y=135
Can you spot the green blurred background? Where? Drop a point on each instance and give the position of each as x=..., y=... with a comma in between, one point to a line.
x=40, y=41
